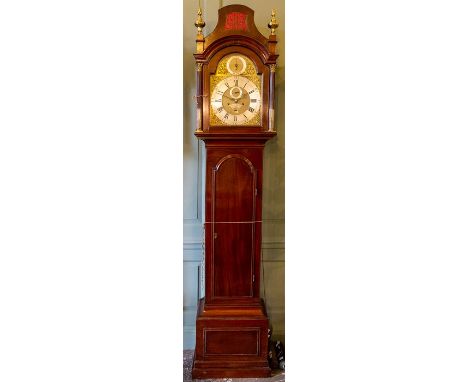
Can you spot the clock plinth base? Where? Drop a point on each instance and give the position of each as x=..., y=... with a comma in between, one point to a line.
x=231, y=342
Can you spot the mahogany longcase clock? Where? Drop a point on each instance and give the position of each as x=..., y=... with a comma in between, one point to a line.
x=235, y=118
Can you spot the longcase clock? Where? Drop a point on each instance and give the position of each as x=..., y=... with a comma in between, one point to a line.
x=235, y=118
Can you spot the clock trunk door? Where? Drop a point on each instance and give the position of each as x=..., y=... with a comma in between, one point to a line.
x=234, y=188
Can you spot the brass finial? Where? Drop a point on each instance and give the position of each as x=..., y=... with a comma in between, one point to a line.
x=200, y=23
x=273, y=23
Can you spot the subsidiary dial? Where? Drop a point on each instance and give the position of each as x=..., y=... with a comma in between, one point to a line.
x=236, y=65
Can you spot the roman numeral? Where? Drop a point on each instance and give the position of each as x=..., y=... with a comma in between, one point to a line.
x=219, y=92
x=251, y=109
x=250, y=92
x=227, y=85
x=218, y=100
x=226, y=116
x=235, y=118
x=236, y=82
x=220, y=109
x=253, y=100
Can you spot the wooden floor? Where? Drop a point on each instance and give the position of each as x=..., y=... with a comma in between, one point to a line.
x=278, y=375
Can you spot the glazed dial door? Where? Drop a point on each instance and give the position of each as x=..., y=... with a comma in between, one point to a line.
x=235, y=92
x=236, y=100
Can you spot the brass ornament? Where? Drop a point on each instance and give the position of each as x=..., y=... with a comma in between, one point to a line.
x=273, y=68
x=199, y=66
x=273, y=24
x=200, y=23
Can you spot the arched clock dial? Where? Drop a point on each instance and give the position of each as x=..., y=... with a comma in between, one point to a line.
x=236, y=100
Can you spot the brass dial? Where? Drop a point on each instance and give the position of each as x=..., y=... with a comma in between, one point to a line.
x=236, y=100
x=236, y=65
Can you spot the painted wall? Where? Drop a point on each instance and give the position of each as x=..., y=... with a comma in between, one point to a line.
x=273, y=246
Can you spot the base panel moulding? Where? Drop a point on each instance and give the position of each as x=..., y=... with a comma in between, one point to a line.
x=231, y=342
